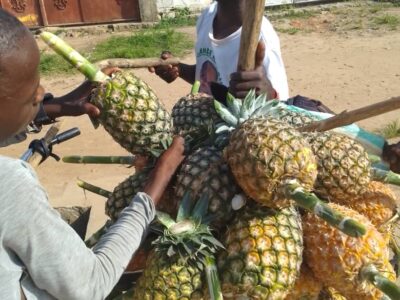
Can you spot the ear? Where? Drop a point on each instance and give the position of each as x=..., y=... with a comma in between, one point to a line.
x=39, y=95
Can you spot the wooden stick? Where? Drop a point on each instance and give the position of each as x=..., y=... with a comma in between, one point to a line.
x=136, y=63
x=349, y=117
x=252, y=19
x=36, y=158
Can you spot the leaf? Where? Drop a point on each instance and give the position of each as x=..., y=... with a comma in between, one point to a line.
x=201, y=207
x=225, y=114
x=165, y=219
x=185, y=207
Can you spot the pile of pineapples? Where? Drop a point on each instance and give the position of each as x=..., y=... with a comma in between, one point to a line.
x=299, y=215
x=258, y=209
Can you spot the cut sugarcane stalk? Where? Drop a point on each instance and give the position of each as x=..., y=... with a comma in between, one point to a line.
x=214, y=285
x=78, y=61
x=385, y=176
x=312, y=203
x=137, y=62
x=123, y=160
x=383, y=284
x=94, y=189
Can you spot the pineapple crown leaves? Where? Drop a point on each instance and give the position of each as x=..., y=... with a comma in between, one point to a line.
x=237, y=111
x=189, y=237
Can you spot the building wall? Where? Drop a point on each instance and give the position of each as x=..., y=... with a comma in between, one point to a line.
x=166, y=5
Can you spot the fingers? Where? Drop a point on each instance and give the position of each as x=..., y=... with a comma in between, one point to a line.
x=110, y=70
x=166, y=54
x=90, y=110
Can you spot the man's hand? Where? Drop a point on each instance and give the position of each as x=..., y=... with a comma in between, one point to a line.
x=243, y=81
x=168, y=73
x=76, y=102
x=391, y=154
x=165, y=168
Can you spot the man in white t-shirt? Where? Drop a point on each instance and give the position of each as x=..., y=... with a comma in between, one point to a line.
x=217, y=52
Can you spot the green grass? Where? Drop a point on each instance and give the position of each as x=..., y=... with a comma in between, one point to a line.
x=291, y=30
x=183, y=17
x=389, y=20
x=144, y=43
x=390, y=130
x=54, y=64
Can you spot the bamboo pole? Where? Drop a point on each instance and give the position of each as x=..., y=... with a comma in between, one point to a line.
x=252, y=19
x=136, y=63
x=349, y=117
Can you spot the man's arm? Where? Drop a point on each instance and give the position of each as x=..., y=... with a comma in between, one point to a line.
x=55, y=257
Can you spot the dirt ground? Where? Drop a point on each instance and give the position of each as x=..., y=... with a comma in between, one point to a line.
x=344, y=69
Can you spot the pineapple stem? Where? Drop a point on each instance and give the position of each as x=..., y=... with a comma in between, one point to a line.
x=388, y=287
x=312, y=203
x=195, y=87
x=214, y=286
x=73, y=57
x=76, y=159
x=94, y=189
x=385, y=176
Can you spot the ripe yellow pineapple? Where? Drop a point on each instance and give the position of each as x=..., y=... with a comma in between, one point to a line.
x=263, y=253
x=307, y=287
x=330, y=294
x=377, y=203
x=352, y=266
x=343, y=166
x=271, y=160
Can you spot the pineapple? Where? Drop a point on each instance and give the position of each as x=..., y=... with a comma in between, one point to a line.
x=178, y=266
x=352, y=266
x=132, y=114
x=263, y=253
x=124, y=192
x=271, y=161
x=204, y=171
x=377, y=203
x=330, y=294
x=343, y=166
x=193, y=111
x=263, y=153
x=130, y=110
x=307, y=287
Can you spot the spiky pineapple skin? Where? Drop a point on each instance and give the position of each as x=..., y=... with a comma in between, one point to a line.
x=165, y=278
x=306, y=287
x=204, y=171
x=192, y=112
x=131, y=113
x=377, y=203
x=262, y=152
x=263, y=253
x=337, y=259
x=124, y=193
x=293, y=118
x=343, y=166
x=330, y=294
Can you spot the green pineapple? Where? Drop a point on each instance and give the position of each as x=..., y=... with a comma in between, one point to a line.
x=204, y=171
x=130, y=111
x=182, y=261
x=263, y=253
x=124, y=192
x=194, y=111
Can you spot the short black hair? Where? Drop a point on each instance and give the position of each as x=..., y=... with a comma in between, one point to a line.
x=11, y=32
